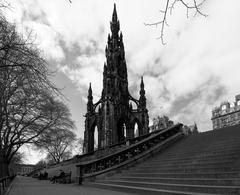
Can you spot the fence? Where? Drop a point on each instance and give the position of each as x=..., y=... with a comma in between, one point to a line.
x=4, y=183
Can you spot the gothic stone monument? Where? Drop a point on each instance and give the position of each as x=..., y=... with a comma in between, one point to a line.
x=113, y=114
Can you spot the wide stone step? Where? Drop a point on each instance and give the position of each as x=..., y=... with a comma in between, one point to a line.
x=189, y=161
x=179, y=187
x=193, y=181
x=216, y=148
x=229, y=174
x=196, y=158
x=213, y=167
x=217, y=143
x=184, y=170
x=142, y=190
x=184, y=164
x=189, y=143
x=210, y=153
x=184, y=167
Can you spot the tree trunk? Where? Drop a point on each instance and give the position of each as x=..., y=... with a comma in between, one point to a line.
x=4, y=167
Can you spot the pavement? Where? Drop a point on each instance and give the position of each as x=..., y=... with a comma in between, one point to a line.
x=31, y=186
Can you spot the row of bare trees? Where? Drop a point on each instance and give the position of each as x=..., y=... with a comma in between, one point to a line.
x=31, y=110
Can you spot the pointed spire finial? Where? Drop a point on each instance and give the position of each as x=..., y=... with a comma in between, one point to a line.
x=142, y=99
x=142, y=83
x=90, y=100
x=90, y=91
x=114, y=15
x=90, y=87
x=114, y=24
x=121, y=37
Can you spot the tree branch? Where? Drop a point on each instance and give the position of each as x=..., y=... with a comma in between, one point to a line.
x=169, y=7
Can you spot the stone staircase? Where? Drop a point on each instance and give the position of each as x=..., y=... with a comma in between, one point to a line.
x=205, y=163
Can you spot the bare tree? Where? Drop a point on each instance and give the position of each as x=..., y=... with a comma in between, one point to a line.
x=41, y=164
x=27, y=103
x=24, y=122
x=78, y=146
x=4, y=5
x=15, y=161
x=58, y=140
x=193, y=5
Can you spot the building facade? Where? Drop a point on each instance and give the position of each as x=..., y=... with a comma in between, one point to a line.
x=113, y=116
x=21, y=169
x=226, y=115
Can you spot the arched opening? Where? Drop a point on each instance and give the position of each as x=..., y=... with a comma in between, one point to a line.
x=121, y=130
x=133, y=104
x=95, y=138
x=124, y=130
x=136, y=130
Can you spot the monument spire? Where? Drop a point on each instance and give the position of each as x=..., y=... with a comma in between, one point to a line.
x=115, y=110
x=90, y=99
x=114, y=23
x=90, y=92
x=114, y=15
x=142, y=99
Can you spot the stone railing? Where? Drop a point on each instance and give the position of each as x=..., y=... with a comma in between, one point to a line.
x=4, y=183
x=140, y=149
x=103, y=152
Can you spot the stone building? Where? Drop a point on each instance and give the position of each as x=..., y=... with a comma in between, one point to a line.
x=226, y=115
x=22, y=169
x=114, y=116
x=160, y=123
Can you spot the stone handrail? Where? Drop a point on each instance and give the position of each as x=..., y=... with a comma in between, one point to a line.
x=92, y=168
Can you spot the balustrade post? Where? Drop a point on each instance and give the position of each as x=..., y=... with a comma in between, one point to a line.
x=80, y=174
x=127, y=142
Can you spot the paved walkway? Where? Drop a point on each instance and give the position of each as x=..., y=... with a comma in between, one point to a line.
x=31, y=186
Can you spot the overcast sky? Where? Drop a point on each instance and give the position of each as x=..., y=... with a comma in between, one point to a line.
x=195, y=71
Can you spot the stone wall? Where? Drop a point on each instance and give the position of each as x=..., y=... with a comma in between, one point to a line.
x=226, y=115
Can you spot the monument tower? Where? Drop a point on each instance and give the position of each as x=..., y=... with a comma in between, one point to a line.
x=114, y=115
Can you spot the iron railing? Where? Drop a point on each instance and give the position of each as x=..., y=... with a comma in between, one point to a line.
x=4, y=183
x=139, y=149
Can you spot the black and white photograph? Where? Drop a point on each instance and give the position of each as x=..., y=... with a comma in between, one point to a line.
x=119, y=97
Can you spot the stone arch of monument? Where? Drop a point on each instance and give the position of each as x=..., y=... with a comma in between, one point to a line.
x=139, y=125
x=122, y=129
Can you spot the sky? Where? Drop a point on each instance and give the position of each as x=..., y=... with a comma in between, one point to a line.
x=185, y=79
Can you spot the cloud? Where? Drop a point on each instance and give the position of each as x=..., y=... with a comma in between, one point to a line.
x=185, y=79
